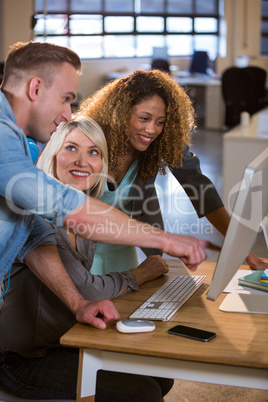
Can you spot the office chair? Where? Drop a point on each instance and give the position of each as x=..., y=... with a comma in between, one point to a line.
x=6, y=396
x=260, y=86
x=239, y=94
x=160, y=64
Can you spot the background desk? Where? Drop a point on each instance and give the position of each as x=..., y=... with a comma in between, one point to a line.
x=240, y=146
x=206, y=94
x=238, y=355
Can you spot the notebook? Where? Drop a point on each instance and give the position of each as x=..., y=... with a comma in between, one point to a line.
x=254, y=281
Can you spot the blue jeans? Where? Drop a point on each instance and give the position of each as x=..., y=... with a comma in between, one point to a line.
x=54, y=376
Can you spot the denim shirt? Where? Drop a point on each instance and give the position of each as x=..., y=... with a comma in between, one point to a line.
x=26, y=194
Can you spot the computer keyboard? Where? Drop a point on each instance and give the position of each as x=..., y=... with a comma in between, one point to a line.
x=167, y=300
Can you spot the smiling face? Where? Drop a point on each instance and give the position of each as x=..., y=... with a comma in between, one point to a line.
x=79, y=162
x=146, y=122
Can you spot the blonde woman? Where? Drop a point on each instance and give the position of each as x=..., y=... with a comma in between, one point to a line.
x=76, y=155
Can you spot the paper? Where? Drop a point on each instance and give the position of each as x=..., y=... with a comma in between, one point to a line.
x=233, y=286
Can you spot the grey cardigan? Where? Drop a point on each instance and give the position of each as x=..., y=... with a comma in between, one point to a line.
x=32, y=318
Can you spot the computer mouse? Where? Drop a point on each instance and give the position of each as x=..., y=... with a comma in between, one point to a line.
x=134, y=326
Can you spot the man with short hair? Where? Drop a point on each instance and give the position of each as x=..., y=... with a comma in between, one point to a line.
x=40, y=82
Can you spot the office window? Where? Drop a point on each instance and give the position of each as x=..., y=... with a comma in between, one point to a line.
x=85, y=24
x=118, y=24
x=179, y=24
x=128, y=28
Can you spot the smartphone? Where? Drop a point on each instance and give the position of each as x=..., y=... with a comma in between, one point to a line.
x=192, y=333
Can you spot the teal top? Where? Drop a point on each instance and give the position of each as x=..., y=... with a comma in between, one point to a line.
x=114, y=258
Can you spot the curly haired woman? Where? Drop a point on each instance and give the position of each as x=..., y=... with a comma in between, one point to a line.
x=148, y=120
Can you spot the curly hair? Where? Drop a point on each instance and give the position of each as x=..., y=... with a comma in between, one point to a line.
x=111, y=107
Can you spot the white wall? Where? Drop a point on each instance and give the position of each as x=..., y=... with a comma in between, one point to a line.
x=242, y=18
x=15, y=22
x=242, y=22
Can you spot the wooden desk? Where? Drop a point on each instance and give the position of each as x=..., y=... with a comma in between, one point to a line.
x=238, y=355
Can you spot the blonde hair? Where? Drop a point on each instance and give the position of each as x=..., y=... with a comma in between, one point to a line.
x=47, y=160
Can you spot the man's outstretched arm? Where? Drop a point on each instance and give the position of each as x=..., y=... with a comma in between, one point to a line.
x=45, y=263
x=100, y=222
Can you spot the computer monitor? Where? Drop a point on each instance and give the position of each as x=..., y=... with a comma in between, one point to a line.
x=160, y=53
x=250, y=213
x=199, y=62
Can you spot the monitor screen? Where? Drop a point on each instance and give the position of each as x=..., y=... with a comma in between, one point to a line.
x=199, y=62
x=249, y=215
x=160, y=53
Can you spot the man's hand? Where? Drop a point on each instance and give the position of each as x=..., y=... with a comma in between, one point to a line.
x=119, y=228
x=189, y=249
x=153, y=267
x=96, y=313
x=45, y=263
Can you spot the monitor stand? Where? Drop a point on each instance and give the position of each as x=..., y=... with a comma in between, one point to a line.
x=264, y=226
x=248, y=303
x=245, y=303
